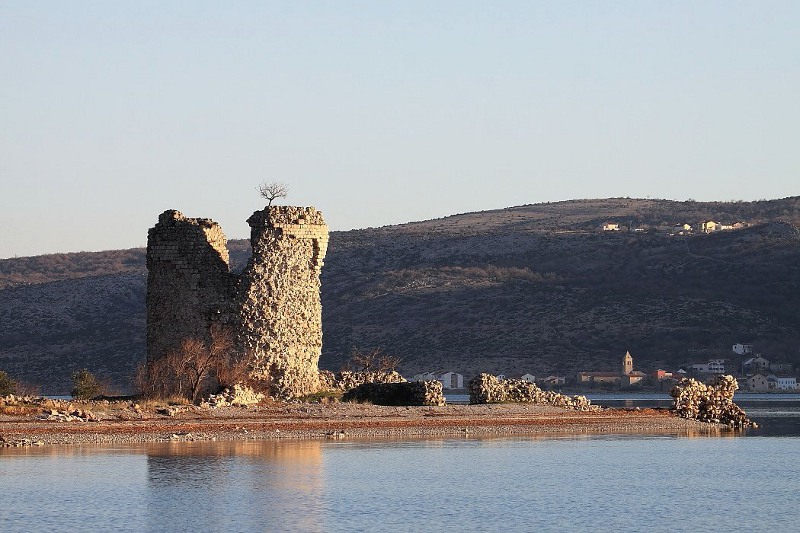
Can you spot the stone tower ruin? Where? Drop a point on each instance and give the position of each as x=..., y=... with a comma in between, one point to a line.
x=189, y=285
x=278, y=299
x=272, y=308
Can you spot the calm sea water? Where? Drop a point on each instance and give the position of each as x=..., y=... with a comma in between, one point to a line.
x=603, y=483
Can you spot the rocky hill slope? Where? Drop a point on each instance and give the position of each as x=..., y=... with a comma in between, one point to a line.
x=536, y=288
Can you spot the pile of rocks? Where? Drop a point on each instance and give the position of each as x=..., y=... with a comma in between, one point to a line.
x=13, y=399
x=486, y=388
x=347, y=380
x=47, y=409
x=712, y=402
x=237, y=396
x=75, y=415
x=403, y=393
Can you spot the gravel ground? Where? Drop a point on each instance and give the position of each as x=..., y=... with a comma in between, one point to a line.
x=126, y=422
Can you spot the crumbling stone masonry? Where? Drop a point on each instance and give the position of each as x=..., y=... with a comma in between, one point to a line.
x=712, y=402
x=486, y=388
x=278, y=301
x=272, y=308
x=402, y=393
x=346, y=380
x=188, y=283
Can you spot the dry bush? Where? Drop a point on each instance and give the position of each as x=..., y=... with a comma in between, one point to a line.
x=154, y=403
x=19, y=410
x=272, y=191
x=375, y=360
x=195, y=368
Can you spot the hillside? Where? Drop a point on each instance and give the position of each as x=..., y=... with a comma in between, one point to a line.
x=536, y=288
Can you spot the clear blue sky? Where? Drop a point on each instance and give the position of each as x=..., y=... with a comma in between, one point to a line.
x=382, y=112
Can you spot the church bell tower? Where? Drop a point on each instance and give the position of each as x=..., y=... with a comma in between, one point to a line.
x=627, y=364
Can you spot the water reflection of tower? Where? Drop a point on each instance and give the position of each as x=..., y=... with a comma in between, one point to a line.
x=249, y=484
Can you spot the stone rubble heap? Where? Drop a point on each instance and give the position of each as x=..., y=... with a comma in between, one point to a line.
x=236, y=396
x=51, y=410
x=710, y=403
x=174, y=410
x=74, y=415
x=403, y=393
x=486, y=388
x=346, y=380
x=13, y=399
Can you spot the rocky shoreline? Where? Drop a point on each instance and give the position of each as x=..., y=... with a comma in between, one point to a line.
x=76, y=422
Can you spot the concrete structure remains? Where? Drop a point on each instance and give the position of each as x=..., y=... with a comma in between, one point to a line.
x=272, y=309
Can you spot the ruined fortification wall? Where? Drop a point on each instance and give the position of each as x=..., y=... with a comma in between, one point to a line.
x=188, y=282
x=272, y=308
x=279, y=298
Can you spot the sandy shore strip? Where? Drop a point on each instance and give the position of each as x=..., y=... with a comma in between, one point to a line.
x=124, y=424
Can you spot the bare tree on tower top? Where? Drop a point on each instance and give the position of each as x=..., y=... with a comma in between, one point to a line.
x=273, y=190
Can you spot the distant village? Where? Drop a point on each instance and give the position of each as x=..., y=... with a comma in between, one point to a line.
x=755, y=373
x=708, y=226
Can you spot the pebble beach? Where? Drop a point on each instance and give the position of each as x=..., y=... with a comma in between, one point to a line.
x=83, y=422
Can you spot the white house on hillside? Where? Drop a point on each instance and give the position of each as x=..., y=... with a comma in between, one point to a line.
x=783, y=382
x=742, y=349
x=452, y=380
x=530, y=378
x=714, y=366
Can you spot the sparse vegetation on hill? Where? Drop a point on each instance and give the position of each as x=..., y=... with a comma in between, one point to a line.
x=536, y=288
x=543, y=289
x=56, y=267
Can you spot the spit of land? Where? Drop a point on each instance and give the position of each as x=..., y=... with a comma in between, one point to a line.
x=128, y=422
